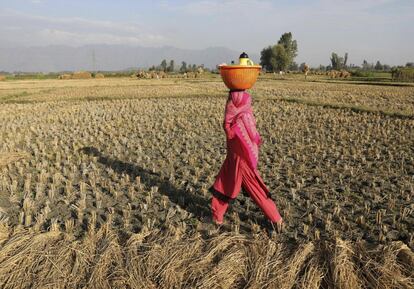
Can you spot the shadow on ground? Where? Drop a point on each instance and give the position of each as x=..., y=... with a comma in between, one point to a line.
x=197, y=205
x=192, y=203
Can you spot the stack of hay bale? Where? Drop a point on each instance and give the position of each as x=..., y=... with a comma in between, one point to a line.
x=192, y=74
x=81, y=75
x=65, y=76
x=99, y=75
x=338, y=74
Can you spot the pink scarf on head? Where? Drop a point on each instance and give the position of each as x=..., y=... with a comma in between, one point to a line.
x=239, y=121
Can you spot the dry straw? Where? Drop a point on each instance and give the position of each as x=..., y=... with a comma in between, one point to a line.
x=81, y=75
x=174, y=259
x=134, y=132
x=342, y=266
x=65, y=76
x=99, y=76
x=12, y=157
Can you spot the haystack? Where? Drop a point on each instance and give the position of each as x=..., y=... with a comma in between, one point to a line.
x=142, y=74
x=345, y=74
x=154, y=75
x=99, y=75
x=162, y=74
x=81, y=75
x=2, y=78
x=65, y=76
x=338, y=74
x=332, y=73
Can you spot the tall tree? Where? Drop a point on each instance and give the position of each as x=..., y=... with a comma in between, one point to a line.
x=171, y=66
x=338, y=62
x=265, y=58
x=335, y=61
x=290, y=45
x=367, y=66
x=183, y=67
x=281, y=55
x=280, y=60
x=378, y=66
x=164, y=65
x=345, y=59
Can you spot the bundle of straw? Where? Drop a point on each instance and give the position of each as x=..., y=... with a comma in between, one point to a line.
x=11, y=157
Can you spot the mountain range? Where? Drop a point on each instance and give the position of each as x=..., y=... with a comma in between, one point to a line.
x=108, y=57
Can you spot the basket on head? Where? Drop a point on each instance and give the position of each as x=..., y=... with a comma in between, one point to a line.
x=239, y=77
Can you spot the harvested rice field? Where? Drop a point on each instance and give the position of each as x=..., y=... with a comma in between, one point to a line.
x=104, y=184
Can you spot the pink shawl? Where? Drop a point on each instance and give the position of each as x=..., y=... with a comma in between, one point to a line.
x=239, y=121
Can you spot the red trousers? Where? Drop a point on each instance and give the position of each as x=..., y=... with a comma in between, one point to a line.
x=235, y=173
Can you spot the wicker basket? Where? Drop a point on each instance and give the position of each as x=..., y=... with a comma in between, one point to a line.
x=239, y=77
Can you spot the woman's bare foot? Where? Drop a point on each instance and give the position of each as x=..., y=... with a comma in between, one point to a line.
x=217, y=223
x=275, y=227
x=280, y=225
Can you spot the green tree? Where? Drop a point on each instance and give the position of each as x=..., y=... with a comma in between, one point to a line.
x=280, y=60
x=183, y=67
x=335, y=59
x=338, y=62
x=379, y=66
x=163, y=65
x=171, y=66
x=345, y=59
x=290, y=45
x=265, y=58
x=281, y=55
x=293, y=66
x=367, y=66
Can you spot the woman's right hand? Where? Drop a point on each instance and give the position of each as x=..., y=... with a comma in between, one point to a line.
x=230, y=133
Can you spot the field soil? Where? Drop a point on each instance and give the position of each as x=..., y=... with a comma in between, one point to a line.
x=104, y=184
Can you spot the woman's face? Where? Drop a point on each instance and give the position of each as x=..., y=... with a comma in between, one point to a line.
x=237, y=97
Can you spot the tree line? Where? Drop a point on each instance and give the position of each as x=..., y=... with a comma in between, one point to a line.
x=170, y=67
x=280, y=57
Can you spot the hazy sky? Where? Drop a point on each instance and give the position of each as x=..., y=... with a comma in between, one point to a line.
x=366, y=29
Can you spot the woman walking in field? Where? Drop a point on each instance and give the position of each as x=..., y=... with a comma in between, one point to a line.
x=240, y=167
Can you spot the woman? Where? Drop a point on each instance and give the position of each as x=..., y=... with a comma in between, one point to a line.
x=240, y=167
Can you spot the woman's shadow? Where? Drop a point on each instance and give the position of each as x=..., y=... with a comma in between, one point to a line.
x=192, y=203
